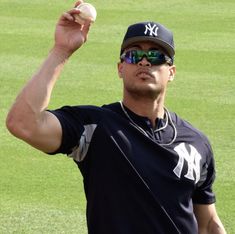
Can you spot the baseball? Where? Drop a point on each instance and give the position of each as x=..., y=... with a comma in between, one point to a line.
x=88, y=12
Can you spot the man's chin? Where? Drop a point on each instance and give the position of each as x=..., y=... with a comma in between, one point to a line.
x=145, y=92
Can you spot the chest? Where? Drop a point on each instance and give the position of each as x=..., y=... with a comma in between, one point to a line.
x=181, y=163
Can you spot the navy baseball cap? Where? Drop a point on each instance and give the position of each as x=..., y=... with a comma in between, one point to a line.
x=150, y=31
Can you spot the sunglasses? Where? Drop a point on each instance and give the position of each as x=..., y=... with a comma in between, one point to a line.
x=155, y=57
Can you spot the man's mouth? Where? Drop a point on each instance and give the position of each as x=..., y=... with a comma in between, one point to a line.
x=144, y=75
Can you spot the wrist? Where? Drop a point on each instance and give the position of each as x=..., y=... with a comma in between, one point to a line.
x=61, y=52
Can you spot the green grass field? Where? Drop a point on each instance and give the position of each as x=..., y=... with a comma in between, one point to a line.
x=44, y=194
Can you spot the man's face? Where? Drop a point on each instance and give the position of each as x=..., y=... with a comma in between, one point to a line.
x=144, y=79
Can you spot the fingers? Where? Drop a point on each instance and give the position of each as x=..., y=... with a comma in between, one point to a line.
x=68, y=23
x=70, y=14
x=67, y=16
x=78, y=3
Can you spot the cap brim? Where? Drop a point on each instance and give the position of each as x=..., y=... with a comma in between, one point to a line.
x=170, y=50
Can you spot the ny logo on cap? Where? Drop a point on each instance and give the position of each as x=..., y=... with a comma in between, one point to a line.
x=152, y=29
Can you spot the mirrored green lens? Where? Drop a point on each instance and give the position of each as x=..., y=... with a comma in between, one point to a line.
x=155, y=57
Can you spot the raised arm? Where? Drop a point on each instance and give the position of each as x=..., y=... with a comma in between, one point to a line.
x=28, y=118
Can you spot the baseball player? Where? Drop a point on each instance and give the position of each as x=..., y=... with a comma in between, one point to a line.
x=145, y=170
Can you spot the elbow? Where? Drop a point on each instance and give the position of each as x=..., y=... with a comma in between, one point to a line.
x=16, y=126
x=12, y=124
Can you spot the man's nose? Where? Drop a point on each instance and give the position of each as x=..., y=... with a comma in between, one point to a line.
x=144, y=62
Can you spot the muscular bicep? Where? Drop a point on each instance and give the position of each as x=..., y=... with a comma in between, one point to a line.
x=48, y=135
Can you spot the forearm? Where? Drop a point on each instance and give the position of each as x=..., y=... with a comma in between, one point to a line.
x=208, y=220
x=216, y=227
x=36, y=94
x=33, y=100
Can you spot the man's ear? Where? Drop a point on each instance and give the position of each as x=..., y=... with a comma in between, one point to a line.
x=172, y=71
x=120, y=69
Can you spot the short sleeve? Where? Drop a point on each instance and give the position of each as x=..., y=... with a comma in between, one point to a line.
x=74, y=120
x=71, y=120
x=203, y=193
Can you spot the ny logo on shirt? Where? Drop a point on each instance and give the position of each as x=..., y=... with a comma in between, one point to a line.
x=188, y=154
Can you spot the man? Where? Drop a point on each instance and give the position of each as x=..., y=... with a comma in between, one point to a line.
x=146, y=171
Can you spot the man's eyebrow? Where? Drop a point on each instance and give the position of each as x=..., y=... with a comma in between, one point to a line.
x=154, y=48
x=133, y=46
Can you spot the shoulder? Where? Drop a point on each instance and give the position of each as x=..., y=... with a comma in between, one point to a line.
x=186, y=131
x=91, y=112
x=186, y=125
x=78, y=109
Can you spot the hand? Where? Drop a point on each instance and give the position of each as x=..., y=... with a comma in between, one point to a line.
x=69, y=35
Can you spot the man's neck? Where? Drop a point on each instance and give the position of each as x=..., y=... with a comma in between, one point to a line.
x=151, y=109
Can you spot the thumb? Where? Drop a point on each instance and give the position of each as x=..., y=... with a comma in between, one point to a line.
x=86, y=28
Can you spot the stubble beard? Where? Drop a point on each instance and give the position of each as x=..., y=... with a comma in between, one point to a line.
x=143, y=92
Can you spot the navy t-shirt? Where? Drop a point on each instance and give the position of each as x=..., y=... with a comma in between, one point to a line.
x=138, y=180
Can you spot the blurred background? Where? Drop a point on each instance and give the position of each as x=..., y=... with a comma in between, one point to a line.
x=44, y=194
